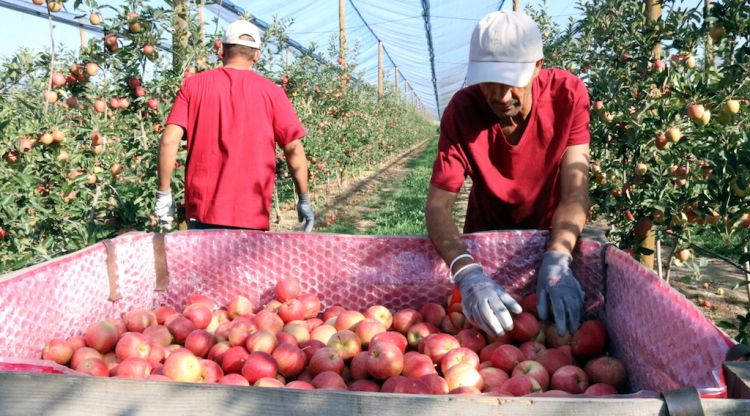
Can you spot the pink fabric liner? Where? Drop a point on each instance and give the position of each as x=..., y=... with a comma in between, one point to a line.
x=664, y=340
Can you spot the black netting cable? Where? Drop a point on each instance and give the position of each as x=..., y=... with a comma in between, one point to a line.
x=428, y=32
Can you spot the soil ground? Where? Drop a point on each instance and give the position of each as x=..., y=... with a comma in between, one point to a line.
x=349, y=201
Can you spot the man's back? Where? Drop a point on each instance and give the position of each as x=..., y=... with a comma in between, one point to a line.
x=233, y=118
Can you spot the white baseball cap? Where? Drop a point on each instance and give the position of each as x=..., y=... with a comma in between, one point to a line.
x=505, y=47
x=237, y=29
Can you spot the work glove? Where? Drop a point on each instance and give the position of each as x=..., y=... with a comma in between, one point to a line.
x=484, y=303
x=557, y=285
x=164, y=209
x=305, y=212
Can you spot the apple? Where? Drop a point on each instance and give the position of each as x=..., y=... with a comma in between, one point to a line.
x=457, y=356
x=159, y=334
x=100, y=106
x=291, y=310
x=412, y=386
x=211, y=372
x=72, y=101
x=262, y=340
x=134, y=23
x=183, y=366
x=310, y=301
x=554, y=358
x=323, y=333
x=291, y=359
x=94, y=367
x=367, y=328
x=416, y=365
x=180, y=327
x=133, y=345
x=57, y=79
x=139, y=319
x=432, y=313
x=268, y=320
x=418, y=332
x=364, y=385
x=234, y=379
x=149, y=50
x=258, y=365
x=569, y=378
x=287, y=288
x=437, y=345
x=102, y=336
x=506, y=357
x=239, y=306
x=233, y=359
x=600, y=389
x=533, y=369
x=216, y=352
x=493, y=378
x=57, y=350
x=152, y=103
x=76, y=342
x=389, y=385
x=200, y=342
x=607, y=370
x=589, y=340
x=110, y=42
x=405, y=319
x=298, y=329
x=641, y=168
x=392, y=337
x=659, y=65
x=472, y=339
x=358, y=365
x=463, y=375
x=453, y=322
x=554, y=339
x=521, y=385
x=598, y=105
x=132, y=368
x=299, y=384
x=348, y=320
x=50, y=96
x=123, y=103
x=139, y=91
x=673, y=134
x=346, y=343
x=525, y=327
x=329, y=380
x=731, y=106
x=385, y=360
x=380, y=313
x=532, y=349
x=332, y=312
x=436, y=383
x=695, y=111
x=95, y=18
x=326, y=359
x=465, y=390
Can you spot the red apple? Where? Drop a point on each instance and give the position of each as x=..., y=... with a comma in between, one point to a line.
x=299, y=384
x=94, y=367
x=133, y=345
x=234, y=379
x=298, y=329
x=82, y=354
x=183, y=366
x=380, y=313
x=525, y=327
x=159, y=334
x=102, y=336
x=506, y=357
x=589, y=340
x=291, y=310
x=76, y=342
x=332, y=312
x=346, y=343
x=453, y=323
x=416, y=365
x=268, y=320
x=432, y=313
x=139, y=319
x=412, y=386
x=494, y=378
x=180, y=327
x=310, y=303
x=323, y=333
x=291, y=359
x=389, y=385
x=348, y=320
x=239, y=306
x=358, y=365
x=385, y=360
x=262, y=340
x=132, y=368
x=471, y=339
x=57, y=350
x=485, y=354
x=607, y=370
x=456, y=356
x=199, y=342
x=531, y=349
x=533, y=369
x=437, y=345
x=554, y=339
x=367, y=328
x=419, y=331
x=287, y=288
x=521, y=385
x=233, y=359
x=405, y=318
x=329, y=380
x=461, y=375
x=258, y=365
x=552, y=359
x=364, y=385
x=391, y=337
x=217, y=351
x=199, y=313
x=437, y=384
x=600, y=389
x=326, y=359
x=571, y=379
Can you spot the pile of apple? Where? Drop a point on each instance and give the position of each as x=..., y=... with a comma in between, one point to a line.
x=289, y=343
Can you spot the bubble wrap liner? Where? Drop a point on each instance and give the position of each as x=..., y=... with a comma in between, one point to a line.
x=664, y=340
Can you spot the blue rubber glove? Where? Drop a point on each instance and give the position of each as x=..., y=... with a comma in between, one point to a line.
x=484, y=303
x=556, y=284
x=305, y=212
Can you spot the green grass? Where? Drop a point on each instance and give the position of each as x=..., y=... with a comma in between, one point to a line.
x=401, y=211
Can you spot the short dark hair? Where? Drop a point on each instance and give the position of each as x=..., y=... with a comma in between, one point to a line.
x=239, y=51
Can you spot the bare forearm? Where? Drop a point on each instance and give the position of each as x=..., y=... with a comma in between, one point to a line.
x=568, y=223
x=443, y=231
x=297, y=161
x=168, y=147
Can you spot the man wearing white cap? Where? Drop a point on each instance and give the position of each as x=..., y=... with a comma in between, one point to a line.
x=233, y=118
x=522, y=134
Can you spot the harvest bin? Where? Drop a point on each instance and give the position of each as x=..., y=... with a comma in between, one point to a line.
x=664, y=340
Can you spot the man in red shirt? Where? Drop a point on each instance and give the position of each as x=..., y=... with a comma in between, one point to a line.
x=522, y=134
x=233, y=119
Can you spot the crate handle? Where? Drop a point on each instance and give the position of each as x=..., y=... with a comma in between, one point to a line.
x=160, y=263
x=111, y=269
x=683, y=402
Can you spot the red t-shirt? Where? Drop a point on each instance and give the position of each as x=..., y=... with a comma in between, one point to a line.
x=514, y=186
x=234, y=119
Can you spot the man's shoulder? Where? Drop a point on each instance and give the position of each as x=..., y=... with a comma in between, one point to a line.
x=466, y=97
x=558, y=80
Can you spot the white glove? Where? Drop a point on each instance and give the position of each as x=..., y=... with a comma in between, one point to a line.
x=164, y=209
